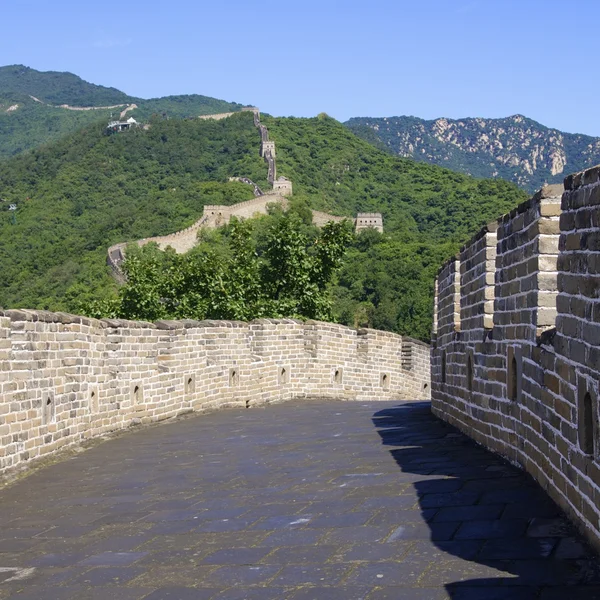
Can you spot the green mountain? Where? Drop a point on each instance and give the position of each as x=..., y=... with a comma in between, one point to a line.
x=87, y=191
x=40, y=107
x=53, y=87
x=517, y=149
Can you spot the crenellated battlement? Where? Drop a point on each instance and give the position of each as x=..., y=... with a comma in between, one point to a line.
x=516, y=342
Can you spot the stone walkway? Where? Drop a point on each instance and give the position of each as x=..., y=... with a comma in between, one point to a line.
x=299, y=501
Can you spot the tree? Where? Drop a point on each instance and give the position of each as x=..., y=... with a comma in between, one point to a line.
x=291, y=279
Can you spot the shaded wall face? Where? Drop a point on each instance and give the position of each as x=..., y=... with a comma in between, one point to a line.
x=65, y=378
x=526, y=387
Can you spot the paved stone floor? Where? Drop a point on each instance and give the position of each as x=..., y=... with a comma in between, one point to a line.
x=299, y=501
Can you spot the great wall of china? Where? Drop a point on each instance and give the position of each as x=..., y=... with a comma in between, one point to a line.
x=216, y=215
x=67, y=378
x=516, y=342
x=515, y=355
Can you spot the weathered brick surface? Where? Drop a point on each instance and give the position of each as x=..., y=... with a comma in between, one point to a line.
x=527, y=386
x=65, y=378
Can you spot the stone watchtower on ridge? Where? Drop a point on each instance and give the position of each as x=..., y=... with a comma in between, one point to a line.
x=283, y=186
x=267, y=147
x=367, y=220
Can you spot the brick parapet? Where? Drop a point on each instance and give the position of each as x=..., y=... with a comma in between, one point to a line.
x=528, y=387
x=66, y=378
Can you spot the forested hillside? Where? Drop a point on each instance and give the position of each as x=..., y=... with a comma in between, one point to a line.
x=387, y=280
x=516, y=148
x=39, y=107
x=89, y=191
x=55, y=87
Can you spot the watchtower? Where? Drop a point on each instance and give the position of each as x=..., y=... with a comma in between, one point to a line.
x=267, y=147
x=366, y=220
x=283, y=186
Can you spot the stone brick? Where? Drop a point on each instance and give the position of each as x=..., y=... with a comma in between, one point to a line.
x=139, y=372
x=547, y=311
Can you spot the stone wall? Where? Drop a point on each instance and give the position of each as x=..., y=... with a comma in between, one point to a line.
x=216, y=116
x=65, y=378
x=283, y=186
x=216, y=215
x=516, y=342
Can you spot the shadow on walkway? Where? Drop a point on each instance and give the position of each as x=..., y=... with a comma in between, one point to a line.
x=497, y=529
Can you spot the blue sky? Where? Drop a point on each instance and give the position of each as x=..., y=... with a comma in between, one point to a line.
x=427, y=58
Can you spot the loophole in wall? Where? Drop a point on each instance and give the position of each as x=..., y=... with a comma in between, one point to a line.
x=470, y=373
x=93, y=401
x=338, y=375
x=587, y=416
x=283, y=375
x=586, y=425
x=384, y=381
x=514, y=372
x=189, y=383
x=48, y=410
x=444, y=366
x=234, y=377
x=136, y=394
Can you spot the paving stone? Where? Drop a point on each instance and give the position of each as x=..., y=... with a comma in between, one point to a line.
x=329, y=593
x=235, y=575
x=294, y=555
x=108, y=575
x=182, y=593
x=283, y=522
x=422, y=531
x=340, y=520
x=443, y=550
x=236, y=556
x=519, y=548
x=449, y=499
x=108, y=559
x=572, y=548
x=452, y=571
x=350, y=535
x=469, y=513
x=391, y=517
x=183, y=574
x=388, y=574
x=192, y=556
x=261, y=593
x=35, y=592
x=549, y=528
x=485, y=529
x=354, y=500
x=489, y=590
x=374, y=552
x=58, y=560
x=294, y=537
x=575, y=592
x=111, y=593
x=236, y=524
x=325, y=575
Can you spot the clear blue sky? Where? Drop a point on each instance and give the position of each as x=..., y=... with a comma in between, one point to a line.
x=428, y=58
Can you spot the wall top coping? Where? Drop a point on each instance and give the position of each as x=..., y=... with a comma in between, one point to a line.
x=489, y=228
x=554, y=190
x=551, y=193
x=44, y=316
x=587, y=177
